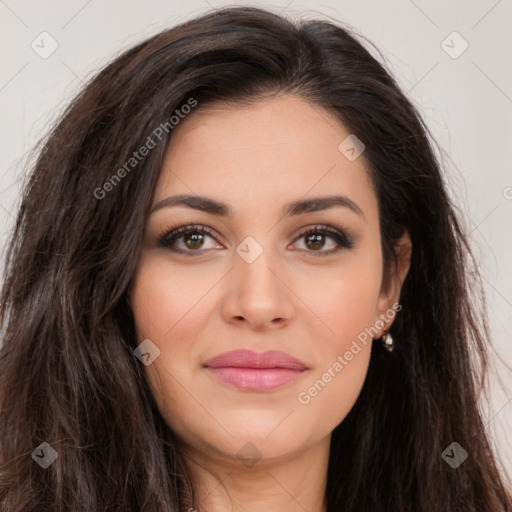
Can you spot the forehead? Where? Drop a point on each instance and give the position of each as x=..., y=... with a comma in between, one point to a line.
x=271, y=151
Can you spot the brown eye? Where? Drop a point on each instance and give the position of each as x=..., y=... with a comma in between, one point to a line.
x=315, y=241
x=193, y=240
x=191, y=237
x=317, y=238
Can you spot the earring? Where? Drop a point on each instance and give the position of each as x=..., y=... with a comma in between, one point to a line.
x=387, y=341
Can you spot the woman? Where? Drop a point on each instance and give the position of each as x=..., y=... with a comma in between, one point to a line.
x=237, y=282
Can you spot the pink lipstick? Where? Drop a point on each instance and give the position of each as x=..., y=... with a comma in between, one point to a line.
x=251, y=371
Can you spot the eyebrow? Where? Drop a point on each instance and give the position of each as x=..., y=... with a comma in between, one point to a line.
x=209, y=205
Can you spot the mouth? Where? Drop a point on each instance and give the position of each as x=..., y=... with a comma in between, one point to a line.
x=251, y=371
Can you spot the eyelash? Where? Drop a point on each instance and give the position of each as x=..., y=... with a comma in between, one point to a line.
x=171, y=235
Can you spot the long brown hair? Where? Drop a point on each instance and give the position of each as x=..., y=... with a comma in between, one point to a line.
x=68, y=374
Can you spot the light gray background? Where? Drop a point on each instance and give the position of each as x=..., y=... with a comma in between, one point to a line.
x=466, y=101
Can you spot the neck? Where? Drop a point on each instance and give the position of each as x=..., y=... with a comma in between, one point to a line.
x=293, y=483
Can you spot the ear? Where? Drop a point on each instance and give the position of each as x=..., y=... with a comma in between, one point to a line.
x=390, y=289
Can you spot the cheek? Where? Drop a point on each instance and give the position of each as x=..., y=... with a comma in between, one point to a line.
x=346, y=298
x=346, y=303
x=163, y=301
x=168, y=305
x=347, y=312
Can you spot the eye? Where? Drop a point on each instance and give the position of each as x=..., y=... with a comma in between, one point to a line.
x=191, y=238
x=315, y=239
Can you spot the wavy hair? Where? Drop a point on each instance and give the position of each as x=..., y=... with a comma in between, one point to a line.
x=68, y=375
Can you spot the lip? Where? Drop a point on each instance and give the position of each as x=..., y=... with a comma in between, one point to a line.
x=252, y=371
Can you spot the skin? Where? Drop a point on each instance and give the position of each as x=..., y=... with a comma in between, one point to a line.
x=257, y=158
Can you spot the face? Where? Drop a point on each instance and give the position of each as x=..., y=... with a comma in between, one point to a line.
x=298, y=285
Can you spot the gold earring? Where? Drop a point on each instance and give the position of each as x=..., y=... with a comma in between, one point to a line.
x=387, y=341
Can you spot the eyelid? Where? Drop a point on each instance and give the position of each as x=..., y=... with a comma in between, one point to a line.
x=182, y=229
x=341, y=236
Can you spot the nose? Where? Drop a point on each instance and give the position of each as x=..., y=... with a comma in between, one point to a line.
x=257, y=294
